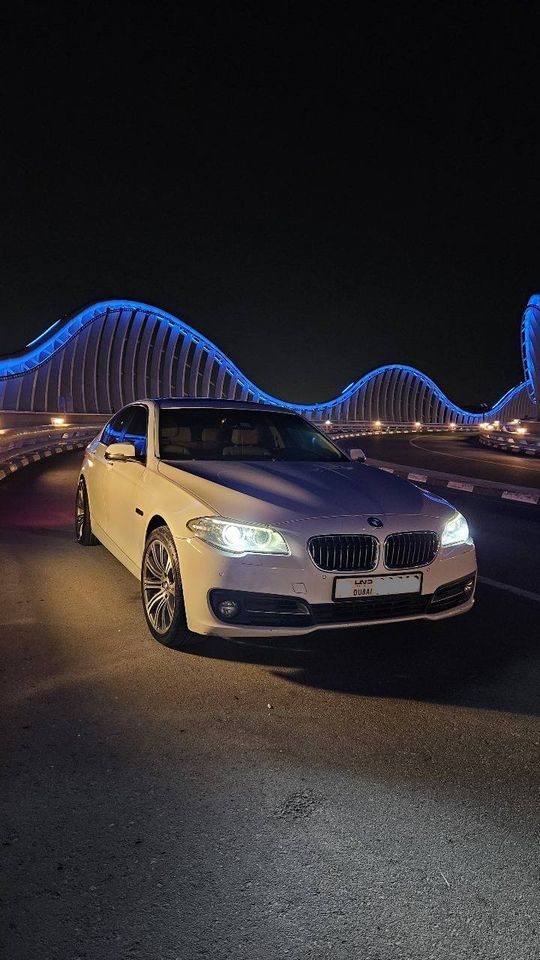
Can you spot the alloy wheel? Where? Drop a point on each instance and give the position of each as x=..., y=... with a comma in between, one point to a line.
x=159, y=586
x=80, y=511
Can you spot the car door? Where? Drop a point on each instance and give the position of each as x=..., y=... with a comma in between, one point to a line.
x=98, y=477
x=123, y=487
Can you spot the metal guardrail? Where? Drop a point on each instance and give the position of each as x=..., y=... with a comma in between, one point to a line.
x=21, y=447
x=361, y=428
x=512, y=442
x=29, y=436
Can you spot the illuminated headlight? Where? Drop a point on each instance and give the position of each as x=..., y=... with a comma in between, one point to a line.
x=238, y=538
x=456, y=531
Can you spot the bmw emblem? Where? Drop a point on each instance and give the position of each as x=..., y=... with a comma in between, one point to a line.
x=374, y=522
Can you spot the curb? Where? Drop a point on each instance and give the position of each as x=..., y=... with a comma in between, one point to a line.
x=511, y=443
x=26, y=459
x=454, y=481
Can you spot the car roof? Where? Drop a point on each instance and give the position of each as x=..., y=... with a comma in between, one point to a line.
x=180, y=403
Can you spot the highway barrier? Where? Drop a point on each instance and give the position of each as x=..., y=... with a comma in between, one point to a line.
x=528, y=444
x=362, y=428
x=22, y=446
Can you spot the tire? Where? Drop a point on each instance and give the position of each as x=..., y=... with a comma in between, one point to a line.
x=83, y=523
x=162, y=594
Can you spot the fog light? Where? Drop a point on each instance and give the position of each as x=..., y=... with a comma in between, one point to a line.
x=228, y=608
x=468, y=586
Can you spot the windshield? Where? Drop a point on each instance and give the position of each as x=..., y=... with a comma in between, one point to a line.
x=203, y=433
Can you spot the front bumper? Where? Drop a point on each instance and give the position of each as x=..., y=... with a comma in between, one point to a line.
x=280, y=596
x=264, y=610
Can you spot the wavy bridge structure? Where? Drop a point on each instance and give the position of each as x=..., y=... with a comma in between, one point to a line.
x=117, y=351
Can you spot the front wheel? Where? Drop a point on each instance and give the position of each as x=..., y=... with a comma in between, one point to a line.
x=83, y=523
x=162, y=595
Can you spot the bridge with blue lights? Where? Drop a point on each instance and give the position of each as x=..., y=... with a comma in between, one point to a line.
x=117, y=351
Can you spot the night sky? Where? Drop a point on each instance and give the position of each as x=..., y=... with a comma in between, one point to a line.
x=317, y=194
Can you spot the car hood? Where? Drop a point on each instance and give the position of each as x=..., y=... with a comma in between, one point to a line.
x=283, y=493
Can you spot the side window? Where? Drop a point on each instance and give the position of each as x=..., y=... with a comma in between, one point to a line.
x=115, y=427
x=137, y=429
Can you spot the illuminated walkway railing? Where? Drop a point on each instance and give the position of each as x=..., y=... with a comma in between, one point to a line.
x=338, y=429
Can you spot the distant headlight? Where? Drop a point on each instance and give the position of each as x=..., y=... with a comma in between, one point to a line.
x=238, y=538
x=456, y=531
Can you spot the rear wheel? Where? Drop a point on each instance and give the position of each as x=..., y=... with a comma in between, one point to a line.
x=162, y=595
x=83, y=523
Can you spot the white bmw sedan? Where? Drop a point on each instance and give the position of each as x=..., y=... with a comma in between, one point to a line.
x=245, y=520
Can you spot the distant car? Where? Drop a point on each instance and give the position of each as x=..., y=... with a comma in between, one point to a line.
x=245, y=520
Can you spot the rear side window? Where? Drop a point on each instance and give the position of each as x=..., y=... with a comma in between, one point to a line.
x=115, y=428
x=137, y=429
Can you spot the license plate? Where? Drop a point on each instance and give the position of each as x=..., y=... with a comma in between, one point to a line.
x=358, y=588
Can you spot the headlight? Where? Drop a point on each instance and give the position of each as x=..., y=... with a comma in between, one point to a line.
x=456, y=531
x=238, y=538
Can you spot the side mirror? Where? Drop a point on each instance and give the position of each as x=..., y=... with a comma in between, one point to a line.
x=120, y=451
x=357, y=454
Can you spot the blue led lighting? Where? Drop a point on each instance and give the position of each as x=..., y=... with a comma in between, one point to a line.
x=530, y=347
x=44, y=334
x=42, y=349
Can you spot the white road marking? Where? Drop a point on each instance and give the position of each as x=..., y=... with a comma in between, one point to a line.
x=510, y=588
x=522, y=497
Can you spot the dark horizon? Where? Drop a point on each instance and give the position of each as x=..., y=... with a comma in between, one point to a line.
x=318, y=199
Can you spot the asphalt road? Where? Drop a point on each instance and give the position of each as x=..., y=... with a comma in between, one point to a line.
x=369, y=795
x=450, y=453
